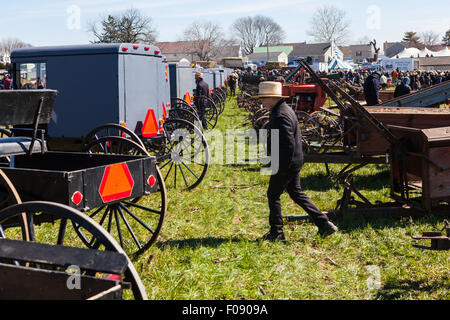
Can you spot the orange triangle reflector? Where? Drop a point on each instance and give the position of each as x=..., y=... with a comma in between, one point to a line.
x=187, y=98
x=164, y=112
x=117, y=183
x=150, y=128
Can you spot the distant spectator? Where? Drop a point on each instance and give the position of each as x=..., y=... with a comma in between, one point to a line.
x=402, y=88
x=371, y=89
x=383, y=82
x=7, y=82
x=232, y=83
x=395, y=77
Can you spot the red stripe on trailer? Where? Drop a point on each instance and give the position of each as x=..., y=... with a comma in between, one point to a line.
x=150, y=127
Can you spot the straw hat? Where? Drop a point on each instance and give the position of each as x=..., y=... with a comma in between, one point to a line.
x=270, y=89
x=199, y=75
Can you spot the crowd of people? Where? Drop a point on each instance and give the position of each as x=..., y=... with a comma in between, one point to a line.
x=404, y=82
x=417, y=79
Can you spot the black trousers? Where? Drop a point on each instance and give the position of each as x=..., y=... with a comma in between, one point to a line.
x=233, y=90
x=201, y=114
x=290, y=181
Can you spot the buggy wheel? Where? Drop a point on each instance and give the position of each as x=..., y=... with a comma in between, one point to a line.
x=211, y=113
x=219, y=99
x=112, y=129
x=136, y=223
x=177, y=103
x=184, y=157
x=8, y=197
x=185, y=114
x=40, y=211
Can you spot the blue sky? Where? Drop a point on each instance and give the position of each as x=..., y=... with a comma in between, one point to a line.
x=46, y=22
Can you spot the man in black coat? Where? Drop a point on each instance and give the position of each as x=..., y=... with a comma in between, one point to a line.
x=372, y=89
x=201, y=92
x=284, y=119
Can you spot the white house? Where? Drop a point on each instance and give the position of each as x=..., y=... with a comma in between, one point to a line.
x=261, y=57
x=4, y=58
x=320, y=52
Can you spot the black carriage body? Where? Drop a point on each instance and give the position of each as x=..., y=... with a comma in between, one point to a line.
x=81, y=180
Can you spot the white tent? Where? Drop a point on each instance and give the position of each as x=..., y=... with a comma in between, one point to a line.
x=425, y=52
x=443, y=53
x=335, y=64
x=408, y=52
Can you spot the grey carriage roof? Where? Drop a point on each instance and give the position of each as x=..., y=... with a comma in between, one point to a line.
x=104, y=48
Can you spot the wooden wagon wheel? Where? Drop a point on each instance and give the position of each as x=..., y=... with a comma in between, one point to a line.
x=112, y=129
x=211, y=113
x=177, y=103
x=186, y=114
x=184, y=154
x=9, y=196
x=65, y=234
x=140, y=228
x=218, y=100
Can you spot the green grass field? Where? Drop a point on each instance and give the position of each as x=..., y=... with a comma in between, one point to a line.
x=208, y=247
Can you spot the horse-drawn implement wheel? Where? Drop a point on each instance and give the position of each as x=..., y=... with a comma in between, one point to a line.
x=138, y=221
x=310, y=129
x=38, y=213
x=182, y=153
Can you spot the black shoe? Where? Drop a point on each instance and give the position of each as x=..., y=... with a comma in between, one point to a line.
x=272, y=237
x=327, y=229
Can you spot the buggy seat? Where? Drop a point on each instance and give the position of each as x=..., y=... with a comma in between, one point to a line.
x=21, y=145
x=28, y=109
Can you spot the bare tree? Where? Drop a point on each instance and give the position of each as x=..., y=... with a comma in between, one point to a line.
x=7, y=45
x=375, y=49
x=130, y=26
x=206, y=38
x=257, y=31
x=430, y=38
x=329, y=24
